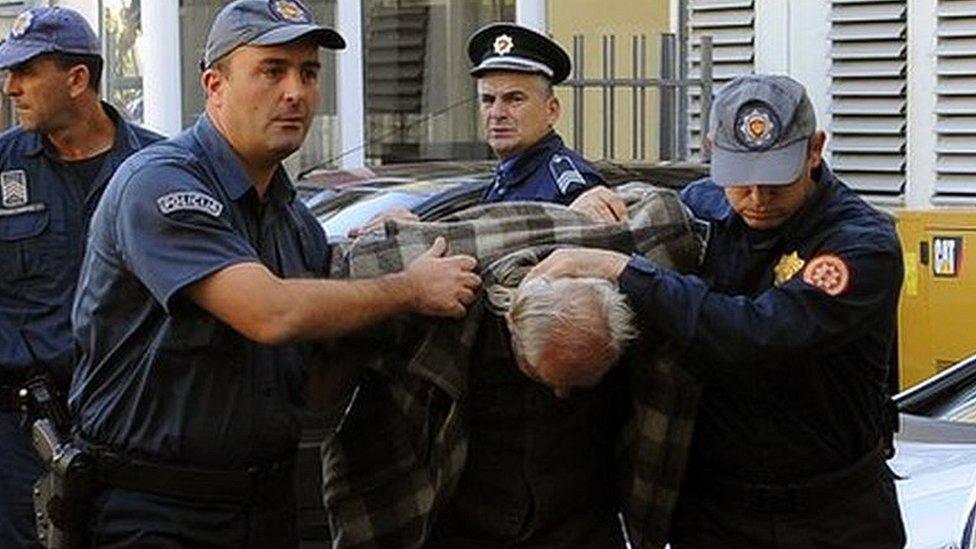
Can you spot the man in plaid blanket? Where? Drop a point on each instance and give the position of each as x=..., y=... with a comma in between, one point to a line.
x=420, y=457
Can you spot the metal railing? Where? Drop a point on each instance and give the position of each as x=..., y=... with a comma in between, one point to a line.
x=673, y=112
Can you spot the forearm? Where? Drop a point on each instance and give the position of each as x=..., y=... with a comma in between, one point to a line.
x=271, y=310
x=318, y=309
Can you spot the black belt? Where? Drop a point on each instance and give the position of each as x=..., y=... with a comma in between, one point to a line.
x=805, y=494
x=243, y=487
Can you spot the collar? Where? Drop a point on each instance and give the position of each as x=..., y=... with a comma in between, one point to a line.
x=230, y=170
x=515, y=169
x=125, y=140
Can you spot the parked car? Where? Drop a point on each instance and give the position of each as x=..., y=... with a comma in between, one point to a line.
x=936, y=458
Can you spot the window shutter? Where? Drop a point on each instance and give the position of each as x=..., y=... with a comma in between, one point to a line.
x=956, y=98
x=730, y=23
x=868, y=103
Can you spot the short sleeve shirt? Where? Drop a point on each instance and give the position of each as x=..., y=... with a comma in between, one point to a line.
x=160, y=378
x=44, y=217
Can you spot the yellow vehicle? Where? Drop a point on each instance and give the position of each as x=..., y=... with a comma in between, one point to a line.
x=938, y=301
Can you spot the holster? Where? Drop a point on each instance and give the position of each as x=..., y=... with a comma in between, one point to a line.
x=62, y=495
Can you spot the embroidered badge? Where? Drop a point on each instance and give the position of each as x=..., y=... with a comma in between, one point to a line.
x=503, y=44
x=757, y=126
x=21, y=24
x=290, y=10
x=13, y=188
x=786, y=269
x=564, y=172
x=829, y=273
x=189, y=201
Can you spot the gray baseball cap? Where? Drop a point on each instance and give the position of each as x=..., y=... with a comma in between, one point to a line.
x=264, y=23
x=761, y=126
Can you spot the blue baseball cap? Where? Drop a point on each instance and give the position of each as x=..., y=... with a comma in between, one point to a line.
x=760, y=126
x=47, y=30
x=264, y=23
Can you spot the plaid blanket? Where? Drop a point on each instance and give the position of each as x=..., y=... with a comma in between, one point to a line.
x=399, y=450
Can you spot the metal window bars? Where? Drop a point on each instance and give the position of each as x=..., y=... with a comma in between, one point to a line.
x=673, y=88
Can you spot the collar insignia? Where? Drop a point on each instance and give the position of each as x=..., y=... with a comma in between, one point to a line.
x=503, y=44
x=789, y=265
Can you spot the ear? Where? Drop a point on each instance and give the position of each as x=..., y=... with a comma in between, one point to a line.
x=212, y=81
x=815, y=154
x=553, y=110
x=78, y=79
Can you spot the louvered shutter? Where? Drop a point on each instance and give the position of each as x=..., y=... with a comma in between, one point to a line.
x=868, y=104
x=956, y=98
x=730, y=23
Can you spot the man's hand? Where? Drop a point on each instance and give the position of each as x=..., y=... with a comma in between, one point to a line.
x=378, y=221
x=580, y=263
x=601, y=205
x=442, y=285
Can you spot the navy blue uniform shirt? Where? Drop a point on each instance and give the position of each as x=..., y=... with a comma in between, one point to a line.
x=160, y=378
x=547, y=172
x=44, y=217
x=793, y=328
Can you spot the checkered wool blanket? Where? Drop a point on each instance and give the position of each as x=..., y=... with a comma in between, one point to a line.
x=400, y=449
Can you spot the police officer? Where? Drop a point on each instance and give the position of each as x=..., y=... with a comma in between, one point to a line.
x=516, y=68
x=792, y=318
x=53, y=168
x=198, y=302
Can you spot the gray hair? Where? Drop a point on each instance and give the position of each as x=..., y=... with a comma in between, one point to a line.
x=542, y=307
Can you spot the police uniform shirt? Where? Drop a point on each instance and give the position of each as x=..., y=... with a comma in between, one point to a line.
x=793, y=328
x=548, y=172
x=161, y=378
x=44, y=217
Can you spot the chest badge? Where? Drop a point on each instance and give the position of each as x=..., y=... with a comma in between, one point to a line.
x=789, y=265
x=13, y=188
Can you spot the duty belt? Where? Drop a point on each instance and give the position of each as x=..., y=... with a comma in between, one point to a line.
x=241, y=487
x=805, y=494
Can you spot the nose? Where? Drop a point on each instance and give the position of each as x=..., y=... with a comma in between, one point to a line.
x=497, y=110
x=760, y=195
x=10, y=84
x=295, y=87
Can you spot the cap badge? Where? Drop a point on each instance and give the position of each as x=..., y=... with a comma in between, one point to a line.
x=786, y=269
x=757, y=127
x=21, y=24
x=503, y=44
x=290, y=10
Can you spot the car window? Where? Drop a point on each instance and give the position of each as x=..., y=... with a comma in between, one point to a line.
x=338, y=223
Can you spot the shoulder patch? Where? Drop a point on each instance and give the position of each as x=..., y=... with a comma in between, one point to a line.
x=829, y=273
x=189, y=201
x=564, y=172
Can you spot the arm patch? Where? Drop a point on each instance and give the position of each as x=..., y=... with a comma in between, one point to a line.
x=189, y=201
